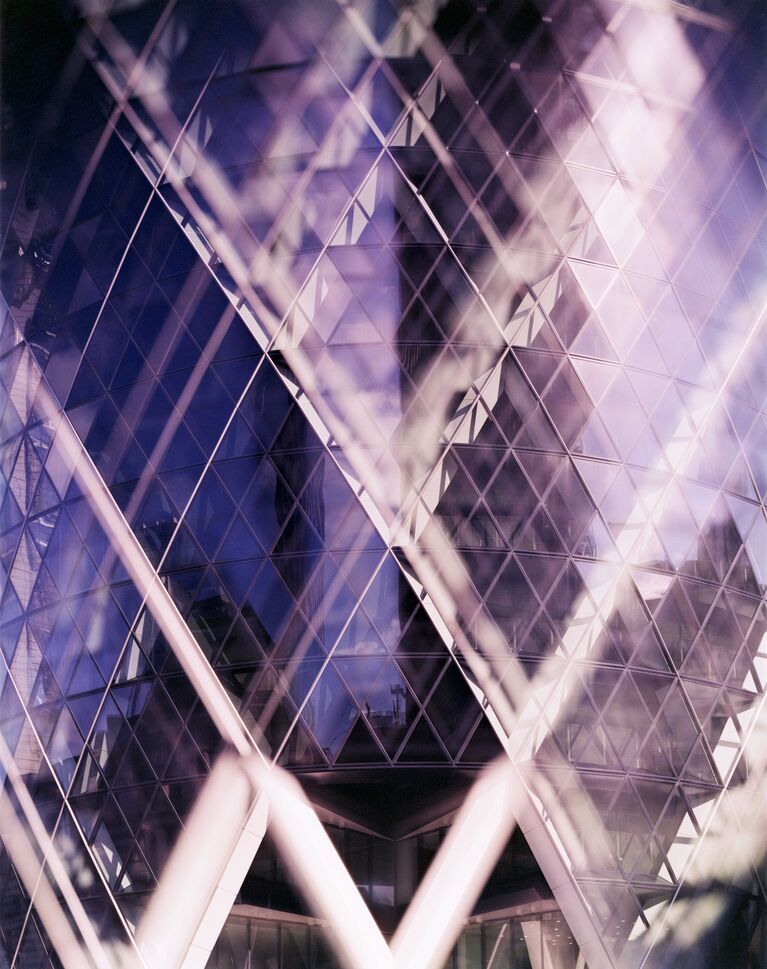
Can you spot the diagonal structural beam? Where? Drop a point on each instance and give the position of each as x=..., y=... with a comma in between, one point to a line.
x=205, y=870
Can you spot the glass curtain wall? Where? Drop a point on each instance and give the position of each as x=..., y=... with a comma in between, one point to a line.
x=420, y=348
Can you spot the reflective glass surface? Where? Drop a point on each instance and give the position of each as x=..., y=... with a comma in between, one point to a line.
x=420, y=350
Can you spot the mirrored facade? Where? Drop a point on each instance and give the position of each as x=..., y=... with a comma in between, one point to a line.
x=419, y=348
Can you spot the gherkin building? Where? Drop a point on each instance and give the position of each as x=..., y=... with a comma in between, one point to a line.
x=383, y=403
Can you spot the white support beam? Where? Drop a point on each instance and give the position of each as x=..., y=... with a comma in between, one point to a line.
x=205, y=871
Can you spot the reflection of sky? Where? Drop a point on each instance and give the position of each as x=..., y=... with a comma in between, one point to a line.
x=352, y=301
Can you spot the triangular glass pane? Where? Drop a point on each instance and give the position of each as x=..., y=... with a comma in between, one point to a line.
x=541, y=570
x=134, y=663
x=540, y=639
x=597, y=476
x=482, y=746
x=632, y=828
x=422, y=672
x=592, y=342
x=652, y=689
x=595, y=440
x=575, y=726
x=482, y=567
x=598, y=751
x=239, y=647
x=422, y=746
x=330, y=712
x=743, y=608
x=649, y=551
x=512, y=604
x=677, y=727
x=389, y=708
x=649, y=654
x=86, y=676
x=677, y=624
x=741, y=673
x=741, y=575
x=567, y=599
x=537, y=432
x=237, y=474
x=360, y=747
x=359, y=638
x=540, y=535
x=268, y=606
x=452, y=709
x=360, y=673
x=597, y=543
x=698, y=766
x=300, y=750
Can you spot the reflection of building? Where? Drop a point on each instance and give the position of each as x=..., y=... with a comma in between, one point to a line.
x=535, y=316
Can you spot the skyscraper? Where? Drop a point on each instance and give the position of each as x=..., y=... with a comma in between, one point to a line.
x=383, y=393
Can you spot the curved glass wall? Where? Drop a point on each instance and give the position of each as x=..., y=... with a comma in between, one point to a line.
x=420, y=349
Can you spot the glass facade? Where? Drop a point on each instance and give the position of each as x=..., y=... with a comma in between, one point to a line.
x=419, y=348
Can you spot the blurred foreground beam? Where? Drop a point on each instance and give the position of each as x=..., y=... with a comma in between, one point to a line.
x=31, y=864
x=205, y=871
